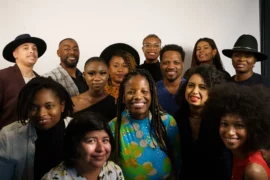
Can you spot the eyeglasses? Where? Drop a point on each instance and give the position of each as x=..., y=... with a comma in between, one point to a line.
x=149, y=46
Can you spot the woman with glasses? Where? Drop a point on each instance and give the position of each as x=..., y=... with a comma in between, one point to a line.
x=151, y=49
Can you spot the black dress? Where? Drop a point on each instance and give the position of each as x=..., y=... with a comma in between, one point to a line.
x=106, y=107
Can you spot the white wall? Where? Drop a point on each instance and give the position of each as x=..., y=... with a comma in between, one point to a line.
x=97, y=24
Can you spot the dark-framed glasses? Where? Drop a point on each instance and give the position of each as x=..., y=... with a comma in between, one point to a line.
x=149, y=46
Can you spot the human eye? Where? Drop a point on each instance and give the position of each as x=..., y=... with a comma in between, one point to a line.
x=223, y=124
x=145, y=91
x=103, y=73
x=131, y=92
x=106, y=140
x=147, y=45
x=239, y=125
x=203, y=87
x=165, y=62
x=49, y=106
x=91, y=73
x=90, y=140
x=156, y=46
x=176, y=62
x=190, y=85
x=125, y=65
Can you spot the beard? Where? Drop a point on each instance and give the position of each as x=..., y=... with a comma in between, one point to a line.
x=71, y=64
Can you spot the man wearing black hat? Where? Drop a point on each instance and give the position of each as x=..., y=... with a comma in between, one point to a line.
x=24, y=52
x=244, y=55
x=67, y=73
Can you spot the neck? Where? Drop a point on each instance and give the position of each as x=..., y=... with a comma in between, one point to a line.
x=195, y=112
x=243, y=76
x=238, y=153
x=99, y=93
x=26, y=71
x=88, y=172
x=151, y=61
x=115, y=83
x=71, y=71
x=172, y=86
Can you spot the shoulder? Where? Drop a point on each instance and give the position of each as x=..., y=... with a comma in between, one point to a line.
x=159, y=84
x=255, y=171
x=111, y=171
x=15, y=126
x=168, y=120
x=57, y=172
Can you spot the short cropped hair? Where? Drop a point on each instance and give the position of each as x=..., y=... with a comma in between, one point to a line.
x=172, y=47
x=150, y=36
x=251, y=103
x=81, y=124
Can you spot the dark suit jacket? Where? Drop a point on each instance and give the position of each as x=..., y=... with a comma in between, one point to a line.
x=11, y=82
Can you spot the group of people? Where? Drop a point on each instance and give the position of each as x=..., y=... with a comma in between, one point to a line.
x=121, y=120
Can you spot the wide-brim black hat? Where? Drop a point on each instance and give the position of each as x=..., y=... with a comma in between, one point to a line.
x=109, y=51
x=246, y=43
x=21, y=39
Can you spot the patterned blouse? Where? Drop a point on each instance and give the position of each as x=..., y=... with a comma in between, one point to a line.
x=140, y=156
x=110, y=171
x=112, y=90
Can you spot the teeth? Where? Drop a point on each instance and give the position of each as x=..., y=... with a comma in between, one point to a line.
x=152, y=53
x=138, y=105
x=171, y=72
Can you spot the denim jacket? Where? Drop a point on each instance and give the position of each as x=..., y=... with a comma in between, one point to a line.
x=17, y=151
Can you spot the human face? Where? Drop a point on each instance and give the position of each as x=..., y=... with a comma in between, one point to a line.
x=137, y=97
x=69, y=53
x=243, y=62
x=117, y=69
x=96, y=75
x=26, y=54
x=171, y=65
x=151, y=49
x=94, y=150
x=196, y=91
x=46, y=109
x=205, y=53
x=233, y=132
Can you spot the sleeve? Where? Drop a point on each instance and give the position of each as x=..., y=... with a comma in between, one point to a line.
x=174, y=140
x=112, y=124
x=7, y=167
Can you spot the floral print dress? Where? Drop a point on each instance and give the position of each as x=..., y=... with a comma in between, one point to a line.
x=140, y=156
x=110, y=171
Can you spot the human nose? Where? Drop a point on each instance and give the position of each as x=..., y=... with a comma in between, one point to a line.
x=42, y=112
x=138, y=95
x=97, y=77
x=231, y=130
x=99, y=146
x=195, y=90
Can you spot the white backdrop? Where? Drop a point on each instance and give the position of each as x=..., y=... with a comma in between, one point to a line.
x=97, y=24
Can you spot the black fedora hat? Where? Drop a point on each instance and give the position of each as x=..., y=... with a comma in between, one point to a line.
x=109, y=51
x=21, y=39
x=246, y=43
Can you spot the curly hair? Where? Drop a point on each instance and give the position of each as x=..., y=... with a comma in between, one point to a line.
x=210, y=75
x=172, y=47
x=157, y=128
x=81, y=124
x=251, y=103
x=28, y=92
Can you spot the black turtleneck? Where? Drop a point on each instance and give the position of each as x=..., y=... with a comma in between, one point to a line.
x=49, y=149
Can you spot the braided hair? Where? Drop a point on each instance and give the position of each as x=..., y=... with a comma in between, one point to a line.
x=157, y=128
x=28, y=92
